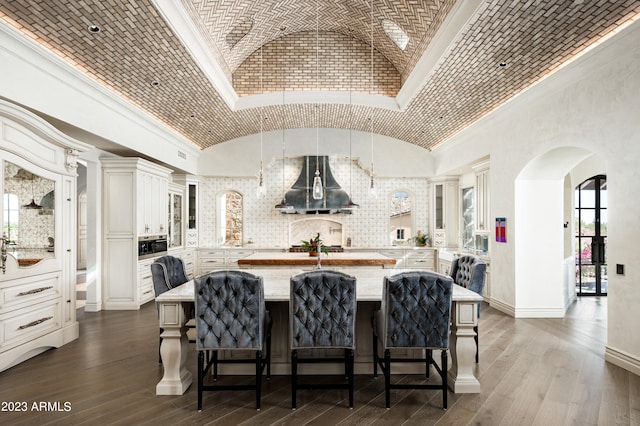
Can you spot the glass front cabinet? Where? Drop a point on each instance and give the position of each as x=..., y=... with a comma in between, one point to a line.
x=38, y=245
x=176, y=215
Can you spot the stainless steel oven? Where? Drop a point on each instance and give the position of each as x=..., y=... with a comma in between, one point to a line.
x=152, y=246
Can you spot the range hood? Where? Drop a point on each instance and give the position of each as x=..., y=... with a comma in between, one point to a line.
x=299, y=198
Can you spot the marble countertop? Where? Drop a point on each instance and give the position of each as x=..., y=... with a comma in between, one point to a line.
x=277, y=285
x=350, y=258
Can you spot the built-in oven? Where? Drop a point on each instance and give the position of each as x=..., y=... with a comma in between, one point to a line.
x=152, y=246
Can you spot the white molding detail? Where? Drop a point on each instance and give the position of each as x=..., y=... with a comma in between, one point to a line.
x=458, y=19
x=539, y=312
x=178, y=19
x=622, y=359
x=503, y=307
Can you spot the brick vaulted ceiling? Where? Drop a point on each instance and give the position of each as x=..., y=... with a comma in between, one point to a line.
x=502, y=48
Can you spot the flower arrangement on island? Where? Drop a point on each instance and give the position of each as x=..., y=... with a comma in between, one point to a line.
x=311, y=246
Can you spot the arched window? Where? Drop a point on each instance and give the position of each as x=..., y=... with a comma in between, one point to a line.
x=230, y=222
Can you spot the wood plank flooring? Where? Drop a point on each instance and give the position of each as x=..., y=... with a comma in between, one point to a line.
x=533, y=372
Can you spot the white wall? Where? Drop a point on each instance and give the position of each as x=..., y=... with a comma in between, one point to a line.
x=592, y=104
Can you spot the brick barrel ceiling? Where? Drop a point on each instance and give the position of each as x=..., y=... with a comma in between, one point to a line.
x=136, y=47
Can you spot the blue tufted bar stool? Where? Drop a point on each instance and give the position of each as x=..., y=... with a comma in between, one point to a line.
x=231, y=315
x=167, y=272
x=469, y=272
x=322, y=314
x=414, y=314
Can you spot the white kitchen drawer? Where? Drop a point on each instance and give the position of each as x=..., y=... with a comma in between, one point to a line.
x=28, y=291
x=211, y=253
x=146, y=293
x=27, y=324
x=238, y=254
x=394, y=254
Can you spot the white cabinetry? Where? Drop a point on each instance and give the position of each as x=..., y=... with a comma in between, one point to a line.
x=482, y=220
x=38, y=246
x=445, y=212
x=412, y=257
x=134, y=204
x=220, y=258
x=175, y=230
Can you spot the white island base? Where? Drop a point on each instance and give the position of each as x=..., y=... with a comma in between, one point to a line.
x=174, y=303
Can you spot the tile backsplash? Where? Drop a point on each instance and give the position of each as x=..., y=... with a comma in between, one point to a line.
x=265, y=226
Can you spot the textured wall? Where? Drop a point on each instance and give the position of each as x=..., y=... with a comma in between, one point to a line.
x=368, y=226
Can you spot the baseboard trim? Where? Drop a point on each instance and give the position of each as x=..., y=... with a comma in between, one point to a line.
x=539, y=312
x=622, y=360
x=503, y=307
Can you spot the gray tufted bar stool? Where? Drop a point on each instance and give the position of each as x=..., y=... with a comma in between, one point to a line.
x=231, y=316
x=414, y=314
x=470, y=272
x=322, y=314
x=167, y=272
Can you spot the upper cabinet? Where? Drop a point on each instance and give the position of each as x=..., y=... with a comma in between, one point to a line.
x=445, y=211
x=38, y=245
x=482, y=221
x=190, y=226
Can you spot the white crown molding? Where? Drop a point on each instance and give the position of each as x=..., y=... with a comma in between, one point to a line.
x=458, y=20
x=180, y=22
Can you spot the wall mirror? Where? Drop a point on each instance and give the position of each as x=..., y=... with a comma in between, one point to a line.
x=400, y=218
x=230, y=222
x=28, y=222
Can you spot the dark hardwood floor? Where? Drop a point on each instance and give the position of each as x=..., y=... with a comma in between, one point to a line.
x=533, y=371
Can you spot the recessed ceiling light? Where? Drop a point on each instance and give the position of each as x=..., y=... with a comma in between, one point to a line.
x=155, y=83
x=503, y=64
x=192, y=115
x=94, y=29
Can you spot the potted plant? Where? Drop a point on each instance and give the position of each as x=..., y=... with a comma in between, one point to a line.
x=421, y=239
x=311, y=246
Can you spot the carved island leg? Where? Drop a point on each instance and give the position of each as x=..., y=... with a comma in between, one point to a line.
x=173, y=350
x=463, y=348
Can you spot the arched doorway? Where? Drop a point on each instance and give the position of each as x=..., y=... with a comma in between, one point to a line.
x=591, y=204
x=544, y=234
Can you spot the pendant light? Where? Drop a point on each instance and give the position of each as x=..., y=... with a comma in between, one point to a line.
x=317, y=191
x=23, y=175
x=350, y=204
x=372, y=187
x=283, y=205
x=262, y=189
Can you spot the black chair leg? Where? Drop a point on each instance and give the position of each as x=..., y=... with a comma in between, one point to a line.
x=375, y=355
x=159, y=346
x=294, y=377
x=350, y=363
x=387, y=378
x=429, y=356
x=445, y=375
x=269, y=355
x=215, y=365
x=200, y=378
x=258, y=378
x=476, y=339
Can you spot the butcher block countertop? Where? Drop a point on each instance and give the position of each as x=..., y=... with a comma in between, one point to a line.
x=350, y=258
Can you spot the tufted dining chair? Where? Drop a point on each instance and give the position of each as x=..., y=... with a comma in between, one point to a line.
x=414, y=314
x=469, y=272
x=231, y=315
x=322, y=316
x=167, y=272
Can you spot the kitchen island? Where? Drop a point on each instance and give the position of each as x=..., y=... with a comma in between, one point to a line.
x=174, y=303
x=286, y=259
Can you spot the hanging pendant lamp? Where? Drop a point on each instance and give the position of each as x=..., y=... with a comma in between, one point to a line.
x=283, y=205
x=317, y=190
x=372, y=187
x=262, y=189
x=350, y=204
